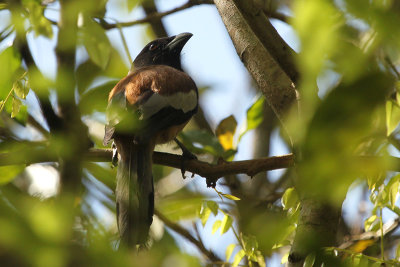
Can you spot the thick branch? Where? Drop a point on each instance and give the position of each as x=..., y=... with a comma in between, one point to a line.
x=185, y=233
x=154, y=16
x=269, y=37
x=268, y=74
x=210, y=171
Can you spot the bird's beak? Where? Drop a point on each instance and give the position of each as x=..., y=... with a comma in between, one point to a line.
x=178, y=42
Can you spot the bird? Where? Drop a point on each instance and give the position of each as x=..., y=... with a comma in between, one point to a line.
x=149, y=106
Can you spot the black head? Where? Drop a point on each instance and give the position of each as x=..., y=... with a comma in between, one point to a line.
x=163, y=51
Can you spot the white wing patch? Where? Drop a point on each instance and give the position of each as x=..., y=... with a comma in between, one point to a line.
x=183, y=101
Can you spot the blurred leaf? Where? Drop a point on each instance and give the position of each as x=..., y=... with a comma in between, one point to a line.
x=255, y=115
x=131, y=4
x=260, y=259
x=213, y=206
x=393, y=188
x=228, y=251
x=250, y=245
x=21, y=88
x=85, y=74
x=49, y=222
x=225, y=131
x=309, y=261
x=290, y=199
x=10, y=63
x=285, y=258
x=181, y=205
x=96, y=98
x=226, y=224
x=238, y=258
x=335, y=132
x=96, y=42
x=216, y=226
x=204, y=214
x=16, y=104
x=8, y=173
x=369, y=222
x=201, y=141
x=41, y=25
x=392, y=116
x=231, y=197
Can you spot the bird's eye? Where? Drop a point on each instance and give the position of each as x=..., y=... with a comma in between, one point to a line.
x=153, y=47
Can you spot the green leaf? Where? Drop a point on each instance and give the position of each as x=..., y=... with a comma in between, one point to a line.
x=250, y=244
x=10, y=63
x=231, y=197
x=392, y=116
x=202, y=142
x=226, y=223
x=290, y=199
x=238, y=258
x=228, y=251
x=16, y=104
x=181, y=206
x=393, y=188
x=368, y=224
x=260, y=259
x=41, y=25
x=21, y=88
x=216, y=226
x=255, y=115
x=96, y=42
x=8, y=173
x=131, y=4
x=309, y=261
x=95, y=99
x=204, y=214
x=225, y=132
x=213, y=206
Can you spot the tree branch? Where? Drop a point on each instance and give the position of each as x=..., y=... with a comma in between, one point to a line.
x=261, y=26
x=185, y=233
x=261, y=64
x=154, y=16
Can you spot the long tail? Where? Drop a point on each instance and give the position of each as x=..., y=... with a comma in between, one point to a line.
x=134, y=192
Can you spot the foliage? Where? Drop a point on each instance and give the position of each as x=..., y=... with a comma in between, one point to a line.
x=346, y=137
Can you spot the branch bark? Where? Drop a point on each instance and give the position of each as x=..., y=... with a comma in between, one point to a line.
x=268, y=74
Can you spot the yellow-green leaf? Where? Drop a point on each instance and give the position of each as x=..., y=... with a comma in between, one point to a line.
x=255, y=115
x=226, y=223
x=309, y=261
x=213, y=206
x=370, y=222
x=204, y=214
x=290, y=199
x=216, y=226
x=96, y=42
x=231, y=197
x=8, y=173
x=225, y=131
x=392, y=116
x=228, y=252
x=16, y=105
x=238, y=258
x=21, y=89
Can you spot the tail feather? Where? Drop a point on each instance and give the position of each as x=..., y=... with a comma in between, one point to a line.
x=134, y=192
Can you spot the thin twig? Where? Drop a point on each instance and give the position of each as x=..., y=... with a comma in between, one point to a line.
x=185, y=233
x=155, y=16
